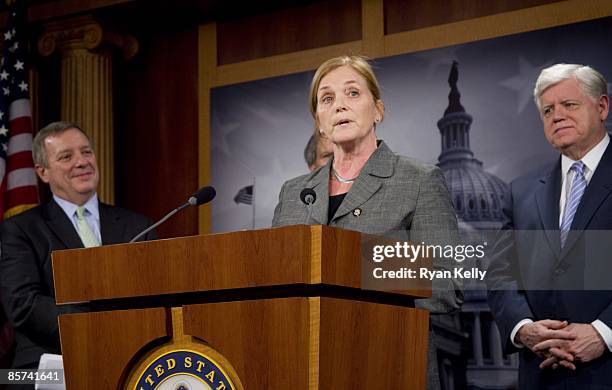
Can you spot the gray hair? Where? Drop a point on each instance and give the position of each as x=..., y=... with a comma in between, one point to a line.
x=39, y=153
x=591, y=82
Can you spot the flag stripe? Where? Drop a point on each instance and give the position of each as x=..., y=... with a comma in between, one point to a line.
x=18, y=183
x=20, y=143
x=21, y=178
x=21, y=125
x=2, y=172
x=19, y=108
x=21, y=195
x=20, y=160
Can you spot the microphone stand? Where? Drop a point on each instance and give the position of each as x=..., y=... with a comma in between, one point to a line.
x=156, y=224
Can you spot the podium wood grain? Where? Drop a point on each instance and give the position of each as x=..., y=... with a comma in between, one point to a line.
x=302, y=255
x=101, y=345
x=313, y=329
x=276, y=344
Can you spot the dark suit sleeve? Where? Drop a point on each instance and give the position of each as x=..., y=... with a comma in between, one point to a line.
x=129, y=223
x=507, y=302
x=152, y=235
x=606, y=316
x=27, y=299
x=435, y=221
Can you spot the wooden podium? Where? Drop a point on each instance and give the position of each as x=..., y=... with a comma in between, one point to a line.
x=283, y=306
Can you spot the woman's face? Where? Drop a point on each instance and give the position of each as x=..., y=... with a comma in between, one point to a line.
x=346, y=111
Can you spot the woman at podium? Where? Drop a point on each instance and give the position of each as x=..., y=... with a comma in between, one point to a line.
x=365, y=186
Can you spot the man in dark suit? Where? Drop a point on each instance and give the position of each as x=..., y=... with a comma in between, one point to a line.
x=542, y=289
x=64, y=158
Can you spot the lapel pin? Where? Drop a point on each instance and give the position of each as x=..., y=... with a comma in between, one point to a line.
x=357, y=212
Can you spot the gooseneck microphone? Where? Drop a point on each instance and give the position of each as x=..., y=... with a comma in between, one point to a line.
x=201, y=196
x=308, y=197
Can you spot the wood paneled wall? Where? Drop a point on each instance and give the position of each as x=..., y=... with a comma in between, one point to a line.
x=402, y=15
x=163, y=95
x=288, y=30
x=157, y=129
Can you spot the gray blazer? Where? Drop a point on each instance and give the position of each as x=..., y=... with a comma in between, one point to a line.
x=393, y=193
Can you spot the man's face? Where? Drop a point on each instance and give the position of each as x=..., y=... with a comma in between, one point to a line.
x=573, y=121
x=325, y=150
x=72, y=172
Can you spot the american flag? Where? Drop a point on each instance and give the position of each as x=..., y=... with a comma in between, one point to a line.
x=18, y=189
x=245, y=195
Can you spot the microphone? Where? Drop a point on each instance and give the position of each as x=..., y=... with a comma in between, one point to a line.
x=308, y=197
x=201, y=196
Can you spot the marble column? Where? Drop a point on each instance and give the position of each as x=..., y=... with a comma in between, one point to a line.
x=87, y=50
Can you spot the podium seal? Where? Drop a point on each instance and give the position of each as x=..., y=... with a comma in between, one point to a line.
x=184, y=370
x=185, y=363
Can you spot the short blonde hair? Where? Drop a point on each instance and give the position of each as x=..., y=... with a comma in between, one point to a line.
x=359, y=64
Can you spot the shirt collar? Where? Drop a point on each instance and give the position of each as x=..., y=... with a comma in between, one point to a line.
x=70, y=208
x=590, y=160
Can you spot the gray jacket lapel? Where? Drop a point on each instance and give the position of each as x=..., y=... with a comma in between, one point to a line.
x=380, y=165
x=320, y=184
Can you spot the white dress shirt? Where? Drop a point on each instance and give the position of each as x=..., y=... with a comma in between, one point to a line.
x=591, y=161
x=92, y=213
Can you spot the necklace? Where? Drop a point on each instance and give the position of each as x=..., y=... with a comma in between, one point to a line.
x=342, y=179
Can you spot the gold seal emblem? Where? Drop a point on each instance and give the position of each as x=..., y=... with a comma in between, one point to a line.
x=185, y=363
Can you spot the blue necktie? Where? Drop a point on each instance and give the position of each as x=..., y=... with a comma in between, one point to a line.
x=573, y=200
